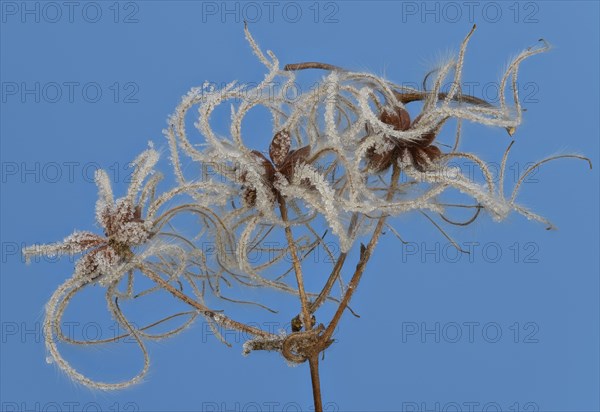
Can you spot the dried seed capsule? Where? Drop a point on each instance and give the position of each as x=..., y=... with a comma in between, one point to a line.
x=280, y=147
x=397, y=117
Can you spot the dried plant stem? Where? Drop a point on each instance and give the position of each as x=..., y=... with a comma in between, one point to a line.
x=404, y=96
x=413, y=96
x=329, y=284
x=313, y=361
x=312, y=65
x=217, y=317
x=335, y=273
x=365, y=255
x=307, y=320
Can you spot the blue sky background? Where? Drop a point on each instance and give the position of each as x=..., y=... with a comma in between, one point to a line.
x=541, y=292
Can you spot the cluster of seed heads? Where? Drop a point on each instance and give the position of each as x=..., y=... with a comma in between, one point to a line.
x=335, y=157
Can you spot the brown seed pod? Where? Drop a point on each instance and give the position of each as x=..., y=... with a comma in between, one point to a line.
x=379, y=162
x=282, y=161
x=280, y=147
x=398, y=118
x=419, y=152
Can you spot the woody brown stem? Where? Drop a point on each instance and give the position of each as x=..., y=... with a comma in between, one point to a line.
x=335, y=273
x=365, y=255
x=413, y=96
x=313, y=362
x=329, y=284
x=307, y=321
x=312, y=65
x=313, y=358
